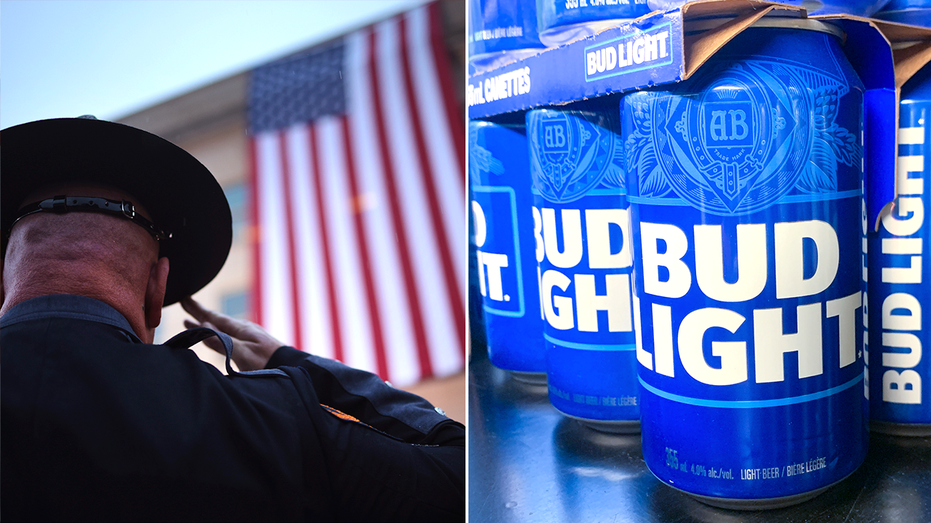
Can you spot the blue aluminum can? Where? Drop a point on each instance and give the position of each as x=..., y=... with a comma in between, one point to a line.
x=744, y=185
x=561, y=21
x=899, y=269
x=581, y=234
x=501, y=31
x=503, y=236
x=912, y=12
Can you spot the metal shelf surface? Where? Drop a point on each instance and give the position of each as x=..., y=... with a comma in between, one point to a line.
x=529, y=463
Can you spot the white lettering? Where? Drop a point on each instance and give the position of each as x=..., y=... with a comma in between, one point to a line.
x=903, y=262
x=478, y=222
x=481, y=272
x=638, y=55
x=904, y=340
x=571, y=254
x=662, y=340
x=615, y=301
x=644, y=357
x=558, y=309
x=771, y=343
x=751, y=260
x=633, y=51
x=679, y=279
x=905, y=184
x=494, y=263
x=910, y=247
x=907, y=218
x=733, y=354
x=902, y=387
x=537, y=234
x=909, y=317
x=846, y=311
x=598, y=223
x=790, y=267
x=502, y=86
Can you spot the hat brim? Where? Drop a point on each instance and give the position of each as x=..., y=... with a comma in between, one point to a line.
x=179, y=192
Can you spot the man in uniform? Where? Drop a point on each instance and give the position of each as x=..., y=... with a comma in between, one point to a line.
x=102, y=225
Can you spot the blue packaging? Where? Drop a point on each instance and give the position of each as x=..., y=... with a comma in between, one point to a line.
x=744, y=184
x=500, y=32
x=912, y=12
x=503, y=236
x=562, y=21
x=581, y=234
x=899, y=268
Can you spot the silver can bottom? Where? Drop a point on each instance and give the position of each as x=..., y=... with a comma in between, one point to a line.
x=759, y=504
x=611, y=426
x=900, y=429
x=533, y=378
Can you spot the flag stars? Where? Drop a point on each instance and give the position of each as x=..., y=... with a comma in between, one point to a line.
x=298, y=89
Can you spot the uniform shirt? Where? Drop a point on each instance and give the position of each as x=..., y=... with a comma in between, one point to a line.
x=97, y=425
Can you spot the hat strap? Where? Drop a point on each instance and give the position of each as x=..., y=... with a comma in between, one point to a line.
x=119, y=208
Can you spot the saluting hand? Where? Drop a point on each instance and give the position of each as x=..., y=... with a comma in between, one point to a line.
x=252, y=345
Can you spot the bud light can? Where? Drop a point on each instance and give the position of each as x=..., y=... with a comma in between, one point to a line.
x=744, y=184
x=562, y=21
x=899, y=319
x=581, y=227
x=912, y=12
x=501, y=32
x=503, y=236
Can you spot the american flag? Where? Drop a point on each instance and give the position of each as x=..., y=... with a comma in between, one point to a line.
x=358, y=186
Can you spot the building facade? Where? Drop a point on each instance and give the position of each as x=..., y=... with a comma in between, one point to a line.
x=211, y=122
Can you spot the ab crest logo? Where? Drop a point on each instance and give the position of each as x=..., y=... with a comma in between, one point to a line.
x=741, y=135
x=572, y=153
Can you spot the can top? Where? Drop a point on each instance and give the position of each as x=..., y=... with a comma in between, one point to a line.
x=802, y=24
x=905, y=44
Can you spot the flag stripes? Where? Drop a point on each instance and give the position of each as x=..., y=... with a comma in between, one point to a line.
x=428, y=166
x=359, y=212
x=293, y=264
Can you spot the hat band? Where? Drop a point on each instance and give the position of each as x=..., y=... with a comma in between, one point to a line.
x=119, y=208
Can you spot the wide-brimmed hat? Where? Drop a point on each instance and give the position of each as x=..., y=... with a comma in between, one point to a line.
x=180, y=194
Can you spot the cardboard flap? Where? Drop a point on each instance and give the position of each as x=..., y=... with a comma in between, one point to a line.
x=731, y=8
x=869, y=53
x=700, y=47
x=911, y=48
x=910, y=60
x=879, y=121
x=885, y=55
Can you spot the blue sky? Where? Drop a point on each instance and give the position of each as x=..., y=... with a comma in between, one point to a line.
x=111, y=58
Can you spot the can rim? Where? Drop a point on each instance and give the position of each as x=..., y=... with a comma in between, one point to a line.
x=804, y=24
x=898, y=46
